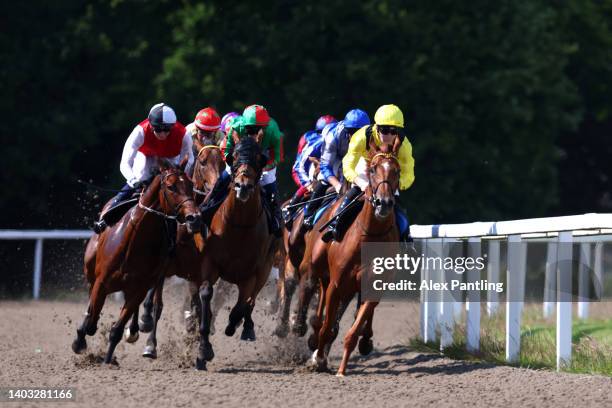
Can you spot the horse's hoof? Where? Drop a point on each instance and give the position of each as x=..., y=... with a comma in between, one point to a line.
x=149, y=352
x=206, y=352
x=230, y=330
x=365, y=346
x=248, y=334
x=313, y=342
x=79, y=345
x=200, y=364
x=145, y=323
x=191, y=323
x=339, y=374
x=319, y=364
x=299, y=329
x=281, y=331
x=129, y=336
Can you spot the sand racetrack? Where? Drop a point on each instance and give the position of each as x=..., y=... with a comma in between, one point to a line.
x=35, y=351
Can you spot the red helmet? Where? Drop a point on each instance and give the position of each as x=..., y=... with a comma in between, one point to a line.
x=324, y=121
x=208, y=119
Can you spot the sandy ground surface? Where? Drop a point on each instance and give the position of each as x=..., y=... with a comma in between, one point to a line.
x=35, y=340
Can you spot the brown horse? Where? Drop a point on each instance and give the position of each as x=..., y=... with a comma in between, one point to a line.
x=131, y=255
x=239, y=248
x=185, y=263
x=341, y=261
x=296, y=275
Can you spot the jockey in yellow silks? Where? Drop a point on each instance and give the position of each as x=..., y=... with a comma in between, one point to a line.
x=389, y=124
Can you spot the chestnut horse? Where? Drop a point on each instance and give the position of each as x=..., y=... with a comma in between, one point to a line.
x=239, y=248
x=341, y=261
x=185, y=263
x=130, y=256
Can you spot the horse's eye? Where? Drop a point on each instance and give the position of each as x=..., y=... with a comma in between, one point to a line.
x=371, y=170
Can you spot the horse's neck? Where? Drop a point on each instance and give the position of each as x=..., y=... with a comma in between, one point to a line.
x=370, y=223
x=150, y=198
x=243, y=213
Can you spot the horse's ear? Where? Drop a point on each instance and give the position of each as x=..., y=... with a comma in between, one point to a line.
x=184, y=162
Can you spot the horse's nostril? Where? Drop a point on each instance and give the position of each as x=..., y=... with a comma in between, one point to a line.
x=190, y=218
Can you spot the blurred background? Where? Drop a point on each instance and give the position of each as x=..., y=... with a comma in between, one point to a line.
x=508, y=104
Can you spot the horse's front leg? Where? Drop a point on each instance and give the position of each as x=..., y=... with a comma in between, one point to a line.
x=131, y=332
x=146, y=320
x=288, y=284
x=150, y=350
x=89, y=326
x=205, y=352
x=366, y=312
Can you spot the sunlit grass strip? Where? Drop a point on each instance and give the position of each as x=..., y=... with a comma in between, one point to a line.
x=591, y=345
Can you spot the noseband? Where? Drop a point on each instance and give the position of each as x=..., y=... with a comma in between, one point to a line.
x=177, y=208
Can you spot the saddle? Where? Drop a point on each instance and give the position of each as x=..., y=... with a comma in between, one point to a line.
x=114, y=214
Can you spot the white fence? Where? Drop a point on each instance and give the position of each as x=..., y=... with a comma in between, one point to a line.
x=39, y=236
x=438, y=314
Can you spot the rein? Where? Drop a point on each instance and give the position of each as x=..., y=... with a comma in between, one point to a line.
x=161, y=213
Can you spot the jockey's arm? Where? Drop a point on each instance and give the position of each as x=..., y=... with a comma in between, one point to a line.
x=406, y=165
x=329, y=156
x=132, y=144
x=303, y=165
x=187, y=150
x=275, y=143
x=356, y=150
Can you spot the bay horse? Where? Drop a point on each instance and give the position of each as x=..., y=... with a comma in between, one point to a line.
x=341, y=261
x=295, y=274
x=239, y=248
x=130, y=255
x=185, y=263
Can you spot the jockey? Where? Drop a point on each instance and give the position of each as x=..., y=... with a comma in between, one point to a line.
x=256, y=122
x=158, y=136
x=226, y=123
x=205, y=127
x=336, y=142
x=302, y=171
x=389, y=124
x=304, y=140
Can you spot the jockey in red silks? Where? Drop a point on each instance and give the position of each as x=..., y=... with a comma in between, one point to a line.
x=159, y=136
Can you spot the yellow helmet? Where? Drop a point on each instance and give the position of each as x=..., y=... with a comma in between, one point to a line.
x=389, y=115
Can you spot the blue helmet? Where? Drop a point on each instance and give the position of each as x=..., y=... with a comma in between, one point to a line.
x=356, y=118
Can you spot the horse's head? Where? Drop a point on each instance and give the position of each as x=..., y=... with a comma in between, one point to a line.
x=208, y=166
x=176, y=195
x=383, y=176
x=248, y=163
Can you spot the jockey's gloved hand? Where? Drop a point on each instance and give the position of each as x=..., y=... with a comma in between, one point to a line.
x=135, y=184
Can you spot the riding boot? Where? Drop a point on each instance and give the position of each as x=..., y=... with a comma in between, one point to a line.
x=289, y=210
x=311, y=208
x=269, y=192
x=124, y=194
x=403, y=225
x=337, y=225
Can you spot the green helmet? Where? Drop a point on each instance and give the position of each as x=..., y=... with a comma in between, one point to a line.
x=255, y=115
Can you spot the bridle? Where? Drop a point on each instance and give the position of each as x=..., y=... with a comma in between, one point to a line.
x=177, y=208
x=203, y=148
x=392, y=156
